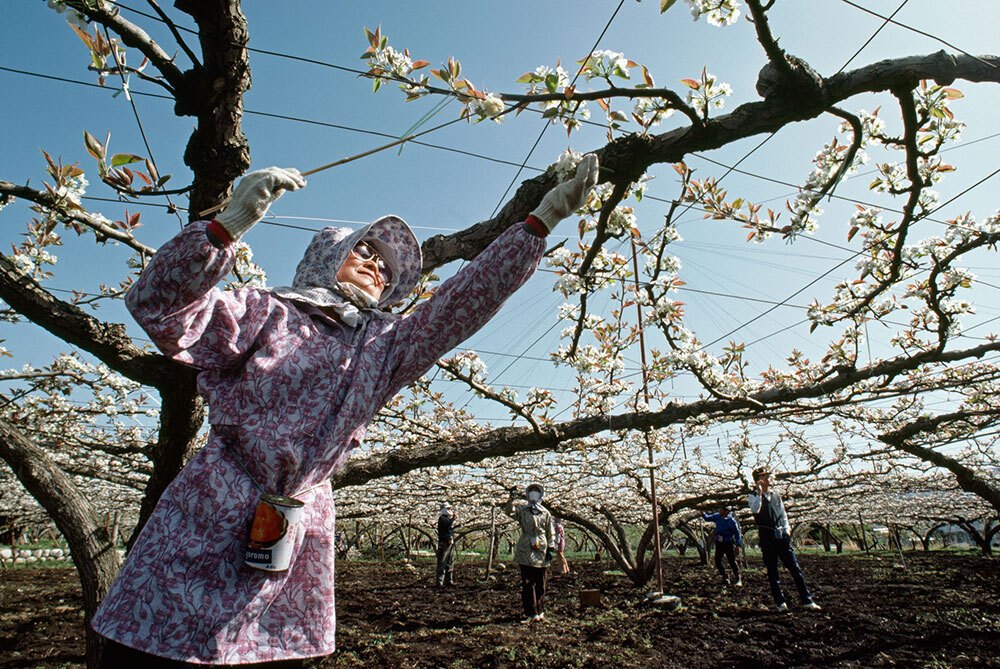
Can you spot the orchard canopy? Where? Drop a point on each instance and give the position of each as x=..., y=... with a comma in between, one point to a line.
x=790, y=259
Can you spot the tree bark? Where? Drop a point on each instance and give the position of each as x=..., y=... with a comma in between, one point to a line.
x=94, y=555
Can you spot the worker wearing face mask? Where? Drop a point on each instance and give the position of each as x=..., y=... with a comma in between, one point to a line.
x=534, y=549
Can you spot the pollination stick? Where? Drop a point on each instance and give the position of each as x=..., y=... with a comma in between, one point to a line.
x=397, y=142
x=222, y=205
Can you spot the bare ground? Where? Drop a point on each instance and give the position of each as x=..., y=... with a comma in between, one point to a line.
x=941, y=610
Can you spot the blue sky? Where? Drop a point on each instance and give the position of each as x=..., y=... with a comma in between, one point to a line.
x=438, y=190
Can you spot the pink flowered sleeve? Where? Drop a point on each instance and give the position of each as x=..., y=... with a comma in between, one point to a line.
x=464, y=303
x=176, y=302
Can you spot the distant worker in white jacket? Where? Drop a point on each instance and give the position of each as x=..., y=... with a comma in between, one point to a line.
x=776, y=540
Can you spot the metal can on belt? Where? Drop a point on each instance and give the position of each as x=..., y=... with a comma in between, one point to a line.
x=272, y=534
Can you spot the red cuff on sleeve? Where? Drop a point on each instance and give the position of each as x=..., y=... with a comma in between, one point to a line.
x=218, y=235
x=537, y=226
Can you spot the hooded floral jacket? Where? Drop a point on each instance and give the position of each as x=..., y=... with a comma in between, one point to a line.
x=290, y=393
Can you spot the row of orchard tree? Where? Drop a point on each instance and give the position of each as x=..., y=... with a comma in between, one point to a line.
x=605, y=502
x=108, y=424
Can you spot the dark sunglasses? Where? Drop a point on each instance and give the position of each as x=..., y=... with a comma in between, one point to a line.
x=365, y=251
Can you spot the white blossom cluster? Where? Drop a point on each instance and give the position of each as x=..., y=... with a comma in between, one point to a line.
x=942, y=127
x=872, y=126
x=716, y=12
x=658, y=263
x=827, y=162
x=390, y=62
x=72, y=189
x=547, y=79
x=605, y=64
x=73, y=17
x=245, y=273
x=599, y=396
x=608, y=269
x=891, y=177
x=621, y=220
x=590, y=322
x=544, y=80
x=652, y=111
x=588, y=359
x=470, y=364
x=565, y=165
x=490, y=107
x=33, y=259
x=711, y=93
x=688, y=351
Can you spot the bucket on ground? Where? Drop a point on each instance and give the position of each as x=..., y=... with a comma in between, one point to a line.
x=590, y=598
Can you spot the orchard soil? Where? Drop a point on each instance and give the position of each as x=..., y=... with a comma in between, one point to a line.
x=941, y=610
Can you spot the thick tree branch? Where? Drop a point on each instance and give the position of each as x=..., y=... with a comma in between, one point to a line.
x=967, y=478
x=629, y=157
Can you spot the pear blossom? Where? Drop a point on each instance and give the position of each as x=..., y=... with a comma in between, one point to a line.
x=717, y=12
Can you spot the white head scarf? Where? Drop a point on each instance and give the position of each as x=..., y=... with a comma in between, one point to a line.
x=535, y=505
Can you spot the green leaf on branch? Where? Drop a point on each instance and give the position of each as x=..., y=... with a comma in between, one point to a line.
x=666, y=4
x=552, y=83
x=120, y=159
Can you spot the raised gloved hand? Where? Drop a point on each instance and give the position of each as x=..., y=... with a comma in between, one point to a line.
x=568, y=196
x=254, y=194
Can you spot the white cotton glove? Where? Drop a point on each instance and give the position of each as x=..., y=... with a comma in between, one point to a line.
x=254, y=194
x=568, y=196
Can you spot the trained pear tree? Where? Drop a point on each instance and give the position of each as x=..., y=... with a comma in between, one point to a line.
x=131, y=417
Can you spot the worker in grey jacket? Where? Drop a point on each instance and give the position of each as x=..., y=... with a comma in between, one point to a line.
x=534, y=549
x=776, y=540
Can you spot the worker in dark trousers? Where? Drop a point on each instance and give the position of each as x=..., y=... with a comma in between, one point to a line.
x=728, y=541
x=446, y=546
x=776, y=540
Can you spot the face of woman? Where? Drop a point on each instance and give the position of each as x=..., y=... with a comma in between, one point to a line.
x=363, y=273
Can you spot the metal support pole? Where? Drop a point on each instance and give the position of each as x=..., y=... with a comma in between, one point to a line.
x=492, y=542
x=649, y=443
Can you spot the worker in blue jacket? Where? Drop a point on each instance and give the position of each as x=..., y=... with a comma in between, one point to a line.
x=727, y=542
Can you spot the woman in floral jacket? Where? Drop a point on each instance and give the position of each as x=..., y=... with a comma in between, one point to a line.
x=292, y=377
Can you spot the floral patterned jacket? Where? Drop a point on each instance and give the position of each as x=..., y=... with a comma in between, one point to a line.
x=291, y=393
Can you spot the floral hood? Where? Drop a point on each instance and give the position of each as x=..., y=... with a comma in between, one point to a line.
x=315, y=279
